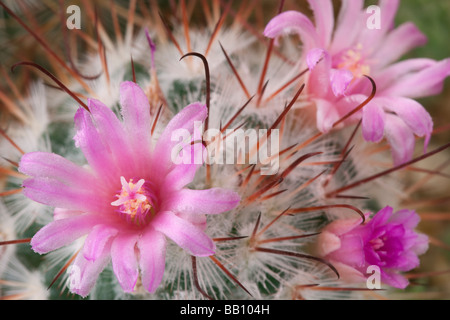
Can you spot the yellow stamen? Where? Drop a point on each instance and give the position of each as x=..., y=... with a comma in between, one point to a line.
x=133, y=201
x=353, y=61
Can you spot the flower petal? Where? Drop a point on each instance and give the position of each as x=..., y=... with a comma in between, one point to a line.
x=50, y=165
x=84, y=273
x=61, y=213
x=319, y=64
x=340, y=80
x=293, y=22
x=398, y=72
x=414, y=115
x=426, y=82
x=342, y=226
x=408, y=218
x=372, y=125
x=351, y=251
x=94, y=149
x=327, y=243
x=124, y=260
x=208, y=201
x=326, y=115
x=348, y=273
x=323, y=19
x=394, y=279
x=187, y=120
x=152, y=248
x=372, y=38
x=137, y=121
x=57, y=194
x=381, y=217
x=184, y=234
x=59, y=233
x=112, y=132
x=421, y=245
x=135, y=112
x=401, y=139
x=406, y=262
x=96, y=241
x=347, y=27
x=190, y=160
x=398, y=42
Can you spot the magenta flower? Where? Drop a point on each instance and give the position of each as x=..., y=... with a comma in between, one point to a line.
x=338, y=59
x=129, y=199
x=388, y=241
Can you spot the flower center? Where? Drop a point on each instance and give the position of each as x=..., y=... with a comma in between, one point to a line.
x=353, y=60
x=135, y=202
x=377, y=243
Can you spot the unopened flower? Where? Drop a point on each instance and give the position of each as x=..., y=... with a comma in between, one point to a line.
x=387, y=241
x=129, y=198
x=339, y=58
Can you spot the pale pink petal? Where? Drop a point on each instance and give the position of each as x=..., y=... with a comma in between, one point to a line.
x=398, y=42
x=408, y=262
x=61, y=213
x=421, y=245
x=348, y=26
x=323, y=19
x=209, y=201
x=186, y=119
x=340, y=80
x=124, y=262
x=198, y=220
x=83, y=274
x=348, y=273
x=342, y=226
x=189, y=237
x=327, y=242
x=50, y=165
x=183, y=172
x=397, y=72
x=180, y=176
x=316, y=55
x=136, y=112
x=112, y=132
x=96, y=240
x=351, y=251
x=62, y=232
x=401, y=139
x=293, y=22
x=326, y=114
x=408, y=218
x=152, y=249
x=389, y=10
x=414, y=115
x=426, y=82
x=57, y=194
x=395, y=280
x=373, y=119
x=93, y=147
x=319, y=64
x=382, y=216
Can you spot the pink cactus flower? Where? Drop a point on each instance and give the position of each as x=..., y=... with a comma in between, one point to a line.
x=340, y=55
x=387, y=241
x=129, y=199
